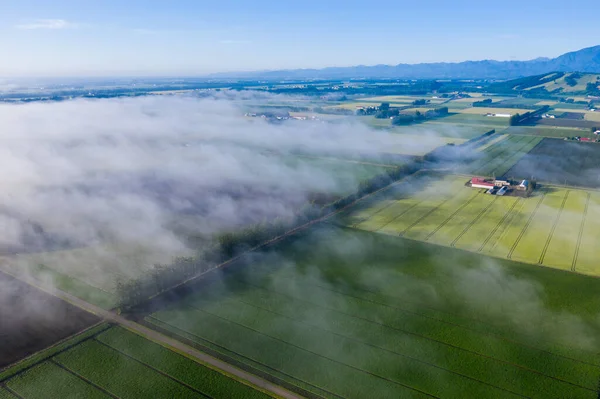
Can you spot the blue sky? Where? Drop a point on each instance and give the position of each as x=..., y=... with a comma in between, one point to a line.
x=133, y=37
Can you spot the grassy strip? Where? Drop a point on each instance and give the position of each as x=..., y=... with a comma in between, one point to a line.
x=47, y=380
x=41, y=356
x=120, y=375
x=209, y=381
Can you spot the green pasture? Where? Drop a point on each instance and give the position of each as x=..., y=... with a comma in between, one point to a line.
x=344, y=313
x=552, y=228
x=114, y=362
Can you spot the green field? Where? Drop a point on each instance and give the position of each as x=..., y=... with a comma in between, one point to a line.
x=90, y=272
x=548, y=131
x=344, y=313
x=113, y=362
x=472, y=119
x=550, y=228
x=496, y=159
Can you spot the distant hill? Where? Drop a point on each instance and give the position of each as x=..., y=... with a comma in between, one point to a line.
x=553, y=83
x=584, y=60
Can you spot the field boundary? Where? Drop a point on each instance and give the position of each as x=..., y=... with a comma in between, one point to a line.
x=152, y=368
x=472, y=223
x=524, y=229
x=429, y=212
x=579, y=237
x=10, y=391
x=443, y=343
x=82, y=378
x=157, y=324
x=500, y=223
x=65, y=344
x=460, y=208
x=388, y=350
x=551, y=233
x=315, y=353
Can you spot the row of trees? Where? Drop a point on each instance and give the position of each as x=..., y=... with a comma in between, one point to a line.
x=483, y=103
x=518, y=119
x=418, y=116
x=227, y=245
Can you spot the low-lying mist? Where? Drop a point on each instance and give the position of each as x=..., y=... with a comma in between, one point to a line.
x=150, y=172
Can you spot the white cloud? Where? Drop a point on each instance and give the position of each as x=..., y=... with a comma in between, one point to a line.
x=47, y=24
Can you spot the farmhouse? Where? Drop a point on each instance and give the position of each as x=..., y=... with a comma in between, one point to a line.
x=479, y=182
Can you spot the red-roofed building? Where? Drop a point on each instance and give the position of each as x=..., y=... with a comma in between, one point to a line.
x=479, y=182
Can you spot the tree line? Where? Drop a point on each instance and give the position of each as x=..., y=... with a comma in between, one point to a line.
x=518, y=119
x=163, y=277
x=418, y=116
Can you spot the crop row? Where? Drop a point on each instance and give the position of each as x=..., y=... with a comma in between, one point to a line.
x=285, y=315
x=117, y=363
x=424, y=330
x=403, y=307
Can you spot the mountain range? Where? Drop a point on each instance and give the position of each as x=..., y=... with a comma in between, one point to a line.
x=584, y=60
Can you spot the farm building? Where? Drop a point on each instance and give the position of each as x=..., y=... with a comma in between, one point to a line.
x=498, y=115
x=479, y=182
x=523, y=185
x=501, y=183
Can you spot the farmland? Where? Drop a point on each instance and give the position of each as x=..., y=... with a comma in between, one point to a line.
x=548, y=131
x=344, y=313
x=41, y=320
x=548, y=229
x=485, y=110
x=499, y=156
x=113, y=362
x=560, y=162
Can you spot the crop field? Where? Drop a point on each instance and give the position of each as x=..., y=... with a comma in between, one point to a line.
x=403, y=99
x=549, y=229
x=342, y=313
x=113, y=362
x=89, y=273
x=345, y=173
x=353, y=106
x=485, y=110
x=548, y=131
x=464, y=118
x=498, y=158
x=562, y=162
x=418, y=144
x=31, y=320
